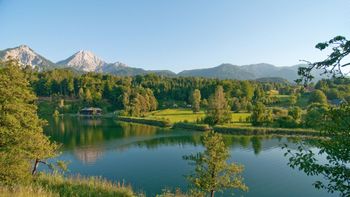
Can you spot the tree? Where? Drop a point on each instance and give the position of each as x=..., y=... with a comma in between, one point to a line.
x=212, y=172
x=259, y=94
x=218, y=110
x=88, y=96
x=315, y=116
x=318, y=97
x=196, y=100
x=295, y=113
x=81, y=93
x=260, y=115
x=22, y=140
x=248, y=90
x=336, y=151
x=333, y=65
x=335, y=124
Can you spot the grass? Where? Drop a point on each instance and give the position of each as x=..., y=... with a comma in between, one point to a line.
x=182, y=115
x=176, y=115
x=82, y=186
x=26, y=191
x=49, y=185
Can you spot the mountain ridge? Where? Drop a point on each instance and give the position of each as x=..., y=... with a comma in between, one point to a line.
x=87, y=61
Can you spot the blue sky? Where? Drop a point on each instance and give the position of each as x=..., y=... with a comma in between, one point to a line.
x=175, y=35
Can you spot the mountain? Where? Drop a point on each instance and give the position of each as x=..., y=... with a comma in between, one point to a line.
x=223, y=71
x=26, y=56
x=248, y=72
x=83, y=61
x=124, y=70
x=86, y=61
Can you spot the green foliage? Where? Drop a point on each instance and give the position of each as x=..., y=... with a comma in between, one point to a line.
x=218, y=111
x=293, y=99
x=212, y=172
x=336, y=150
x=141, y=101
x=196, y=100
x=260, y=115
x=314, y=116
x=22, y=140
x=334, y=123
x=333, y=64
x=318, y=97
x=286, y=122
x=295, y=113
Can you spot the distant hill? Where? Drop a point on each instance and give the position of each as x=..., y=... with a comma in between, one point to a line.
x=248, y=72
x=223, y=71
x=86, y=61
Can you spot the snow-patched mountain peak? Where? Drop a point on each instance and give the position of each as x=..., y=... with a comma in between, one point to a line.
x=83, y=60
x=26, y=56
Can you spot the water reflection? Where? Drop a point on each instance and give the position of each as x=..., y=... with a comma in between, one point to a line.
x=150, y=158
x=88, y=138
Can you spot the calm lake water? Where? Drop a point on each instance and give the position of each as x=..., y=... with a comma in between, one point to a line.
x=150, y=158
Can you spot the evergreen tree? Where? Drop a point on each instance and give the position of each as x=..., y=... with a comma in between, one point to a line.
x=22, y=140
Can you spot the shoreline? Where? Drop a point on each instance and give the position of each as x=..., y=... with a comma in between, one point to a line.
x=221, y=128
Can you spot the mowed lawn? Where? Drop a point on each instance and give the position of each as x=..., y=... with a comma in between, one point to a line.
x=180, y=115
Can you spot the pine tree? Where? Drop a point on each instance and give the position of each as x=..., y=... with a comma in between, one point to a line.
x=22, y=140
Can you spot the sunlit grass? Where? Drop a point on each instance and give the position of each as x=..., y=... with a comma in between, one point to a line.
x=181, y=115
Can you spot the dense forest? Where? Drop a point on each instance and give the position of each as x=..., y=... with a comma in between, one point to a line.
x=277, y=104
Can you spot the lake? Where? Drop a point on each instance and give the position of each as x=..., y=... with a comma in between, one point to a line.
x=150, y=158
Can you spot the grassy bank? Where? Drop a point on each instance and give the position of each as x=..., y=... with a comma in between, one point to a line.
x=191, y=126
x=182, y=115
x=57, y=185
x=186, y=119
x=264, y=131
x=148, y=121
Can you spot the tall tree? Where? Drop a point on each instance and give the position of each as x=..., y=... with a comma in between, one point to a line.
x=196, y=100
x=212, y=172
x=260, y=115
x=218, y=110
x=22, y=140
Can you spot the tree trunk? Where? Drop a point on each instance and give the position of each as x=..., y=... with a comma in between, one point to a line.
x=212, y=193
x=35, y=166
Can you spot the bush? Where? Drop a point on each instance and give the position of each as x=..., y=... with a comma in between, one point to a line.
x=192, y=126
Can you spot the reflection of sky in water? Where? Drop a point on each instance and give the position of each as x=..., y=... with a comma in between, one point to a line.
x=150, y=158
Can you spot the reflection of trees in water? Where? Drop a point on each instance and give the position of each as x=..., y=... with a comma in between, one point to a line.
x=260, y=142
x=76, y=131
x=130, y=129
x=179, y=140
